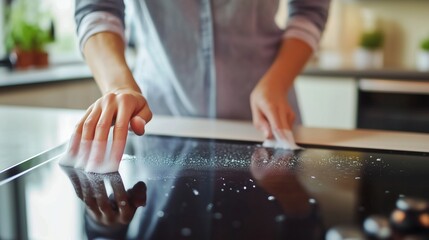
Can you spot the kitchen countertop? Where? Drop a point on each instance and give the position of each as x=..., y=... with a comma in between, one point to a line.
x=79, y=71
x=206, y=184
x=26, y=132
x=63, y=72
x=386, y=73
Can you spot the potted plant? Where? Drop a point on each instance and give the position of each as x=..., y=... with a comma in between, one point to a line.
x=369, y=54
x=26, y=38
x=423, y=55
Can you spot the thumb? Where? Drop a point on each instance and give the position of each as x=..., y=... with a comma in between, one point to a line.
x=137, y=124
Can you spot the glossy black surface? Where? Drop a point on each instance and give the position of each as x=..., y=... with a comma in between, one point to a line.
x=182, y=188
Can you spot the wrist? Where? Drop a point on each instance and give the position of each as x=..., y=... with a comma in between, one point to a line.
x=117, y=81
x=278, y=81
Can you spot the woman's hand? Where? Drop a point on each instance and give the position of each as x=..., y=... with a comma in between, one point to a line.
x=270, y=109
x=268, y=100
x=116, y=209
x=121, y=106
x=89, y=148
x=122, y=109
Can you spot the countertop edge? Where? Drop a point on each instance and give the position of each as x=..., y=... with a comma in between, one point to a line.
x=79, y=71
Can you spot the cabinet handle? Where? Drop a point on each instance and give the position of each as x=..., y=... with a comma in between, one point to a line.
x=393, y=86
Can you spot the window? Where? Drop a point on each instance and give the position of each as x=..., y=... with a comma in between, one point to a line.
x=64, y=49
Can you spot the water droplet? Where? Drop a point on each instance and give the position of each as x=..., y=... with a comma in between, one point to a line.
x=160, y=214
x=222, y=189
x=280, y=218
x=401, y=195
x=387, y=191
x=265, y=161
x=172, y=187
x=244, y=187
x=271, y=198
x=186, y=232
x=312, y=200
x=254, y=186
x=209, y=207
x=196, y=193
x=357, y=178
x=251, y=180
x=378, y=159
x=313, y=177
x=238, y=191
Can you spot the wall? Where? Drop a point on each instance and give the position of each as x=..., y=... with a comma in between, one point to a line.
x=404, y=22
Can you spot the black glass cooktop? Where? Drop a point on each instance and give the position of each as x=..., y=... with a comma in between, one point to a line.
x=186, y=188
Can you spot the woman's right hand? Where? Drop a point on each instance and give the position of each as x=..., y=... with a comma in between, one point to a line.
x=121, y=106
x=124, y=109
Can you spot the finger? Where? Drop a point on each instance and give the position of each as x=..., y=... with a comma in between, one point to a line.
x=88, y=194
x=79, y=126
x=106, y=119
x=138, y=195
x=139, y=121
x=260, y=122
x=74, y=179
x=74, y=144
x=284, y=117
x=83, y=154
x=272, y=115
x=120, y=131
x=126, y=211
x=97, y=155
x=69, y=157
x=91, y=123
x=291, y=118
x=75, y=149
x=99, y=190
x=99, y=146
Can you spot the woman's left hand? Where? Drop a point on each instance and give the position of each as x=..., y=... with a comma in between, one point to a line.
x=270, y=108
x=268, y=100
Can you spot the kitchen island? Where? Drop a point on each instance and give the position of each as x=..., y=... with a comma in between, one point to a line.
x=193, y=178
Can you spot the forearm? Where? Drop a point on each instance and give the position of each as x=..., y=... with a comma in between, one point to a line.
x=292, y=57
x=104, y=53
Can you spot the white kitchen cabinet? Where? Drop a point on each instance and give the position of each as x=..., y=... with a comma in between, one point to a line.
x=327, y=102
x=76, y=94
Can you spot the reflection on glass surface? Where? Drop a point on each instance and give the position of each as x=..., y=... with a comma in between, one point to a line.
x=184, y=188
x=108, y=214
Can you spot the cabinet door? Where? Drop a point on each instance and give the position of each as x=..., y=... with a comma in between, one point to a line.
x=77, y=94
x=327, y=102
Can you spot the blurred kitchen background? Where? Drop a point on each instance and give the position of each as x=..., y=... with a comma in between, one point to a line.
x=371, y=71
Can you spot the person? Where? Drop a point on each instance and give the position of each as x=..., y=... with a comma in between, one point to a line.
x=207, y=58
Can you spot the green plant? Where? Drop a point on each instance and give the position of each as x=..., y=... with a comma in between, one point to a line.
x=424, y=45
x=23, y=32
x=372, y=40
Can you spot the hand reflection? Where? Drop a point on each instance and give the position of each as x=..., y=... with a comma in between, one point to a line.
x=272, y=169
x=93, y=156
x=118, y=208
